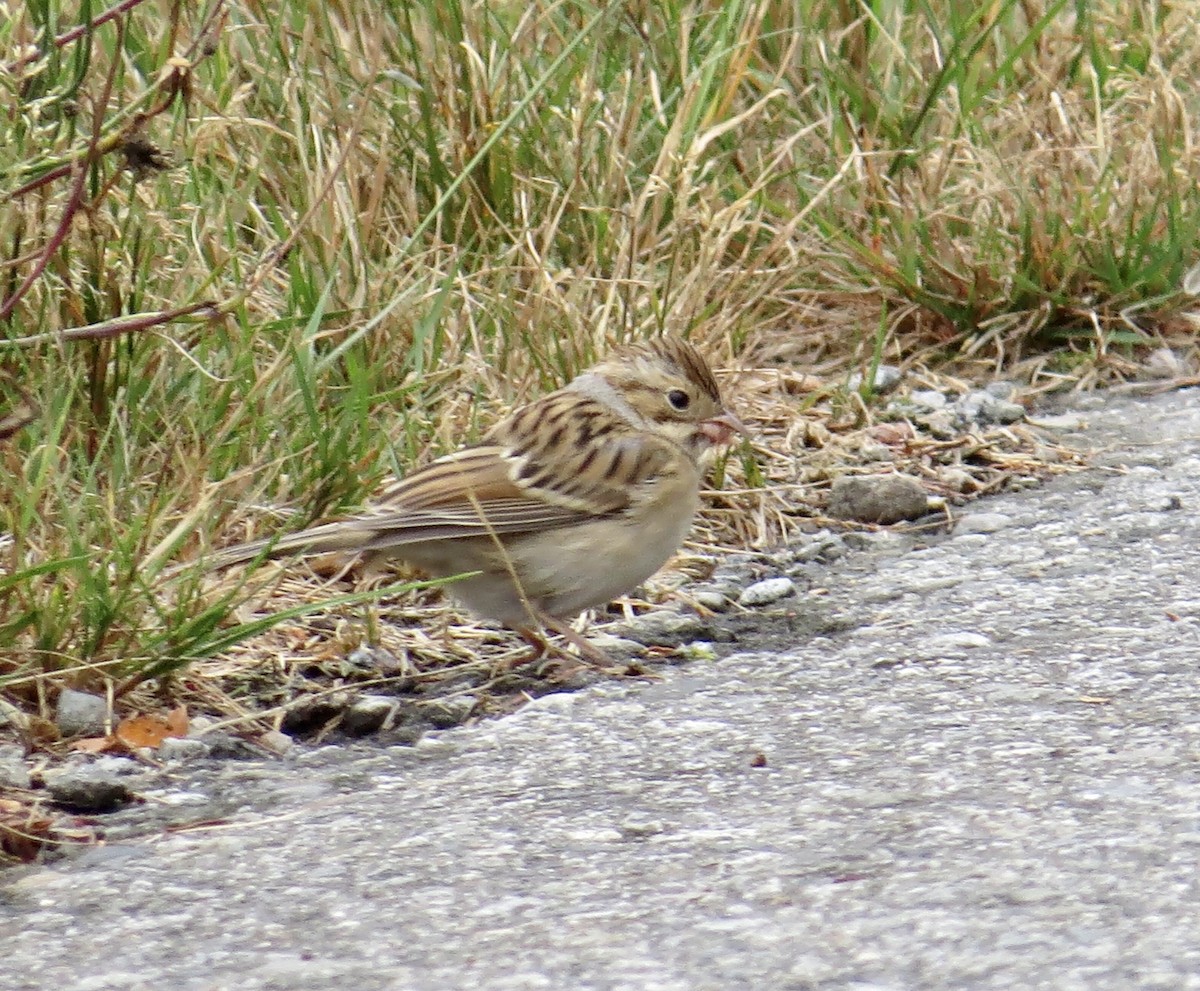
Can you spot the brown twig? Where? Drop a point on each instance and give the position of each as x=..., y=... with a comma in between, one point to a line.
x=116, y=326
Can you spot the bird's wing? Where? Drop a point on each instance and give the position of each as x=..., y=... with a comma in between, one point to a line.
x=556, y=462
x=546, y=466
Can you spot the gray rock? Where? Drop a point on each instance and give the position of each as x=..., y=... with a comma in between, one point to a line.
x=833, y=548
x=14, y=771
x=873, y=451
x=667, y=629
x=310, y=713
x=982, y=523
x=369, y=714
x=276, y=742
x=640, y=827
x=120, y=767
x=199, y=725
x=1001, y=389
x=767, y=591
x=928, y=399
x=730, y=582
x=887, y=377
x=362, y=657
x=822, y=546
x=941, y=425
x=80, y=713
x=449, y=712
x=877, y=498
x=616, y=647
x=957, y=479
x=378, y=659
x=711, y=599
x=878, y=540
x=983, y=407
x=88, y=789
x=1165, y=363
x=226, y=746
x=182, y=749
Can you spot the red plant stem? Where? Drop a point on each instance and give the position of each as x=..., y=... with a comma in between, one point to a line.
x=40, y=181
x=56, y=240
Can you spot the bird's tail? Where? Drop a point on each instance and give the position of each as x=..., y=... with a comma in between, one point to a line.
x=327, y=538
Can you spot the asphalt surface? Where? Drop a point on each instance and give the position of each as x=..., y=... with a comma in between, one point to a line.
x=989, y=780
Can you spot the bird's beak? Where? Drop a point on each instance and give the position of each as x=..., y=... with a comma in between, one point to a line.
x=720, y=430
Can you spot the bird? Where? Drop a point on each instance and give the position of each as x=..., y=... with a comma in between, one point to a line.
x=565, y=504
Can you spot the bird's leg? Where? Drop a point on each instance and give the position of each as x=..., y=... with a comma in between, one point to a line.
x=587, y=650
x=540, y=646
x=590, y=654
x=537, y=648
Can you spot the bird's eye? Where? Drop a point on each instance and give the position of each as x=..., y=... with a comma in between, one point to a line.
x=679, y=399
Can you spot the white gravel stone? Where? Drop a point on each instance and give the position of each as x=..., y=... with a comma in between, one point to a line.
x=982, y=523
x=984, y=407
x=960, y=640
x=712, y=599
x=929, y=399
x=887, y=377
x=767, y=591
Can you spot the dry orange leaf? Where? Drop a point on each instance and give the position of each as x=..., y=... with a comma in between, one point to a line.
x=177, y=719
x=149, y=731
x=138, y=731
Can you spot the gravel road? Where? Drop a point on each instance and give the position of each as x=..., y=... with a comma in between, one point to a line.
x=989, y=779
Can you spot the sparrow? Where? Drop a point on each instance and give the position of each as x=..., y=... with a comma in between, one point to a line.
x=565, y=504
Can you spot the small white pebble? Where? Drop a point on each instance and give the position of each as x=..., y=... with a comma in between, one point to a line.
x=599, y=835
x=960, y=640
x=982, y=523
x=767, y=591
x=712, y=599
x=927, y=398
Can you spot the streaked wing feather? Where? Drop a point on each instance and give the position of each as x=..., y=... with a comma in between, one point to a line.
x=575, y=451
x=484, y=471
x=558, y=461
x=395, y=527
